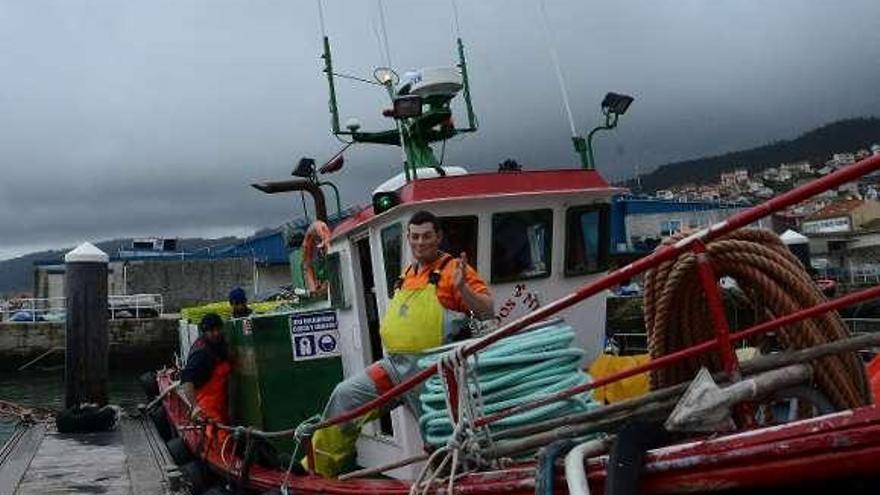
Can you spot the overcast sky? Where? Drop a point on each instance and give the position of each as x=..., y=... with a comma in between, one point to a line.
x=150, y=118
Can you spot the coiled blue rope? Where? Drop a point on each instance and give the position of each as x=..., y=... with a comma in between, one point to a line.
x=513, y=371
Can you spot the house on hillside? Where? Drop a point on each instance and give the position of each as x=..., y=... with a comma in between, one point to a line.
x=842, y=216
x=801, y=167
x=841, y=160
x=845, y=239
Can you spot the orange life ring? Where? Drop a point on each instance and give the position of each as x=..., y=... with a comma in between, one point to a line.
x=317, y=239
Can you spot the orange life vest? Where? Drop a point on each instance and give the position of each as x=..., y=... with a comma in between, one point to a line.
x=211, y=396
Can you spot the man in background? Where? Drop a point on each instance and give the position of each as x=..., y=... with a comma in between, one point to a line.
x=238, y=303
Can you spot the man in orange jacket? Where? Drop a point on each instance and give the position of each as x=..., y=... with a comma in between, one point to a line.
x=430, y=301
x=206, y=374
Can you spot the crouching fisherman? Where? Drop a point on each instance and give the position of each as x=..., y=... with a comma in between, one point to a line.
x=206, y=374
x=430, y=301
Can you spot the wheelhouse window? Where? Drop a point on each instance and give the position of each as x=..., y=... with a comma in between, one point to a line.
x=521, y=245
x=392, y=244
x=334, y=281
x=587, y=238
x=460, y=235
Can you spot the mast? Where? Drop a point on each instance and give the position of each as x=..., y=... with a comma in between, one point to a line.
x=420, y=117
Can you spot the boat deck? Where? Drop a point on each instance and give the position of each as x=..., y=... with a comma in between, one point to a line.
x=130, y=460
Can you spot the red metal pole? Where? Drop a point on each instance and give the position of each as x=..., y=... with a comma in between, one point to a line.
x=730, y=363
x=803, y=314
x=716, y=309
x=452, y=388
x=310, y=453
x=661, y=254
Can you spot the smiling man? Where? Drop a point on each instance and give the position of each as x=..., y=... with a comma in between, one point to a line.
x=431, y=299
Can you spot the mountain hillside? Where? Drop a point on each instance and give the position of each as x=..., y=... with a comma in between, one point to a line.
x=17, y=274
x=817, y=146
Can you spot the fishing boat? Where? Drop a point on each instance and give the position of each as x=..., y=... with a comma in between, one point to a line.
x=541, y=238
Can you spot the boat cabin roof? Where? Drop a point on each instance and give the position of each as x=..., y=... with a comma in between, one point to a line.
x=485, y=185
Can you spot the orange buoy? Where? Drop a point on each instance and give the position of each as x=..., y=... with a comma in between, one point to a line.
x=317, y=239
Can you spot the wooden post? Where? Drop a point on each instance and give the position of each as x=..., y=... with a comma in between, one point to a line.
x=85, y=288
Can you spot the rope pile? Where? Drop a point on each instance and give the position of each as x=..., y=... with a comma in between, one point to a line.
x=774, y=282
x=20, y=412
x=513, y=371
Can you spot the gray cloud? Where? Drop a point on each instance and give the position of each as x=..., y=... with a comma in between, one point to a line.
x=151, y=118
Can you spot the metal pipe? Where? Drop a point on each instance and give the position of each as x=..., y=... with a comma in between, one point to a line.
x=575, y=472
x=308, y=186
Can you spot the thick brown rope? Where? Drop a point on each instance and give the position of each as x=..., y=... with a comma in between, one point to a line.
x=774, y=282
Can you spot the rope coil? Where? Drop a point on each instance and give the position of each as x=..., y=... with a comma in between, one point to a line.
x=511, y=372
x=773, y=282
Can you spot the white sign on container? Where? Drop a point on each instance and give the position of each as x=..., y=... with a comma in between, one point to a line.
x=314, y=335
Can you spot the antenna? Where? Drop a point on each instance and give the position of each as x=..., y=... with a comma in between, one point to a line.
x=551, y=46
x=385, y=46
x=321, y=18
x=455, y=19
x=462, y=65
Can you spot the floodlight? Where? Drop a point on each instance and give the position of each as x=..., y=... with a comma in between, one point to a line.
x=616, y=103
x=386, y=76
x=305, y=168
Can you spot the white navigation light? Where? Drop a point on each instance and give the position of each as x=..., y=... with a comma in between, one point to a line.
x=385, y=76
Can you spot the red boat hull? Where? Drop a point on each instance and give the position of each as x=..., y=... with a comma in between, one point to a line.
x=837, y=446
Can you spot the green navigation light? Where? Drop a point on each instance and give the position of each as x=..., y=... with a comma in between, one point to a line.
x=384, y=201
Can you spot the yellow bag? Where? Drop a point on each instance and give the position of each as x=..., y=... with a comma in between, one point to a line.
x=628, y=388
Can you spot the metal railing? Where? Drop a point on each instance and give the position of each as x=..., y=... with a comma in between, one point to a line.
x=54, y=308
x=33, y=309
x=136, y=306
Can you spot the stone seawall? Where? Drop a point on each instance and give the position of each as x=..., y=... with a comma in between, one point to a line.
x=142, y=343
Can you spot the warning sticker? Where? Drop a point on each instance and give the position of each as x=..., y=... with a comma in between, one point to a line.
x=314, y=335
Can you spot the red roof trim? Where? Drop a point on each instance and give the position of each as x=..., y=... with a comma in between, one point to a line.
x=489, y=184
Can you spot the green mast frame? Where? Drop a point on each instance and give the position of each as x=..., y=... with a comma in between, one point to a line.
x=414, y=134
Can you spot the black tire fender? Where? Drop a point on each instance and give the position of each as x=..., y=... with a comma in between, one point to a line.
x=149, y=384
x=163, y=426
x=196, y=477
x=179, y=451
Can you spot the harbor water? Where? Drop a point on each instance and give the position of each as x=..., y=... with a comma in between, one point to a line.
x=45, y=389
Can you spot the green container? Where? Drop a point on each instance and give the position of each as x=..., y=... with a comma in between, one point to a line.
x=274, y=386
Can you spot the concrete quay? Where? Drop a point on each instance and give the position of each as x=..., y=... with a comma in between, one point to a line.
x=133, y=342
